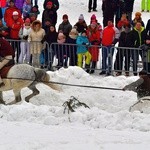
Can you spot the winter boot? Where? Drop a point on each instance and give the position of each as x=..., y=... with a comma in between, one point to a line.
x=87, y=68
x=93, y=67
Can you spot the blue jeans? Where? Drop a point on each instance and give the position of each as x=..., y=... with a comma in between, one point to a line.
x=107, y=55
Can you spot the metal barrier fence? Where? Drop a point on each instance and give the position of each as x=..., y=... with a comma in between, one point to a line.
x=109, y=60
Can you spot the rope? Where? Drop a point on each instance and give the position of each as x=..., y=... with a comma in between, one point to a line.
x=68, y=84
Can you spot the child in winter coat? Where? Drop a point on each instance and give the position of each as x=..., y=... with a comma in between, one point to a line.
x=72, y=49
x=24, y=45
x=82, y=50
x=93, y=35
x=61, y=50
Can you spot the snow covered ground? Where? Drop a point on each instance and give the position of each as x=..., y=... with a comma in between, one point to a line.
x=107, y=125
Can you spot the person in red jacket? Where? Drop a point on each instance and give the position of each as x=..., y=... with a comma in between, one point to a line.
x=6, y=55
x=14, y=24
x=110, y=37
x=9, y=11
x=93, y=35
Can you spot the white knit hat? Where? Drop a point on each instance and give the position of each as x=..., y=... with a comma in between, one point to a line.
x=81, y=17
x=15, y=13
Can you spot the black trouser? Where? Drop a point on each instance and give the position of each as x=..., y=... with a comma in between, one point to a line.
x=121, y=53
x=16, y=48
x=94, y=4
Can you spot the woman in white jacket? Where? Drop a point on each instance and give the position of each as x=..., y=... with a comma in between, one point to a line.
x=35, y=37
x=24, y=45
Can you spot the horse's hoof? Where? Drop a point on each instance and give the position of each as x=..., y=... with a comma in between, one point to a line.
x=11, y=103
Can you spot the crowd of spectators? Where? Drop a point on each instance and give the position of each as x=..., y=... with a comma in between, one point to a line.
x=18, y=21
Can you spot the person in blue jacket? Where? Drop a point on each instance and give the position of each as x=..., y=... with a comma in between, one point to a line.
x=82, y=50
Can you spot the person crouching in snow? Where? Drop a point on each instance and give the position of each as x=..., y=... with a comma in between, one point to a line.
x=140, y=86
x=82, y=50
x=24, y=45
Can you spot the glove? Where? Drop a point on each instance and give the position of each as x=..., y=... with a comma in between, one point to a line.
x=144, y=47
x=25, y=37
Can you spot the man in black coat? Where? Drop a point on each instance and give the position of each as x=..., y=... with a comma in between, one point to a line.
x=109, y=9
x=55, y=4
x=125, y=40
x=129, y=9
x=148, y=27
x=138, y=39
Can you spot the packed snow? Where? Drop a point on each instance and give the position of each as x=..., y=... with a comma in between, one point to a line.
x=107, y=125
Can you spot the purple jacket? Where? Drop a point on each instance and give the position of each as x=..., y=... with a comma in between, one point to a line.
x=19, y=4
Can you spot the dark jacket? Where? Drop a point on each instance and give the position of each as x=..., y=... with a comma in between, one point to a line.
x=51, y=14
x=55, y=4
x=81, y=26
x=129, y=5
x=148, y=27
x=125, y=39
x=65, y=27
x=141, y=86
x=138, y=38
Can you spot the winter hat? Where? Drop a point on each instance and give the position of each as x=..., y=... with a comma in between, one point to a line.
x=15, y=13
x=27, y=20
x=81, y=17
x=93, y=17
x=138, y=14
x=84, y=31
x=49, y=3
x=65, y=16
x=73, y=33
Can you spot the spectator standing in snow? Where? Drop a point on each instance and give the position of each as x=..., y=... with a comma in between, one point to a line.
x=109, y=9
x=36, y=35
x=137, y=18
x=26, y=9
x=92, y=5
x=82, y=50
x=35, y=2
x=24, y=45
x=110, y=36
x=148, y=27
x=145, y=5
x=138, y=39
x=55, y=4
x=9, y=11
x=49, y=13
x=81, y=24
x=65, y=27
x=50, y=37
x=93, y=35
x=72, y=49
x=125, y=40
x=14, y=24
x=128, y=9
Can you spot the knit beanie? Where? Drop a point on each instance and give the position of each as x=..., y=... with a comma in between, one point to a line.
x=93, y=17
x=81, y=17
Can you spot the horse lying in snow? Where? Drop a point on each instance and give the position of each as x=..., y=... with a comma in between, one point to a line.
x=22, y=75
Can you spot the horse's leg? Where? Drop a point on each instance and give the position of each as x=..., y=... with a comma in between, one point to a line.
x=35, y=91
x=18, y=98
x=1, y=98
